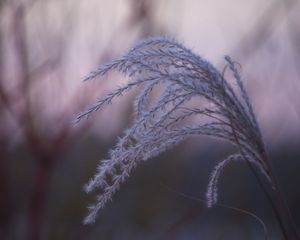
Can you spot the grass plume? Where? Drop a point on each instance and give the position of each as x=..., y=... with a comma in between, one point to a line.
x=180, y=76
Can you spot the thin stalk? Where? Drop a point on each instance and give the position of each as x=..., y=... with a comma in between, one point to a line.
x=277, y=212
x=269, y=198
x=282, y=206
x=277, y=202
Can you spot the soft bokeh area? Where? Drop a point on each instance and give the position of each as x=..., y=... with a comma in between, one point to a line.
x=48, y=46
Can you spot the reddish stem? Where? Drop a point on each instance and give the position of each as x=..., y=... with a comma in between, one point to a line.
x=37, y=201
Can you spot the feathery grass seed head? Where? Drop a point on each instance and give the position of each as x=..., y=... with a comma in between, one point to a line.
x=160, y=124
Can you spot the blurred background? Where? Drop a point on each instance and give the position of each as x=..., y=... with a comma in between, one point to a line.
x=47, y=46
